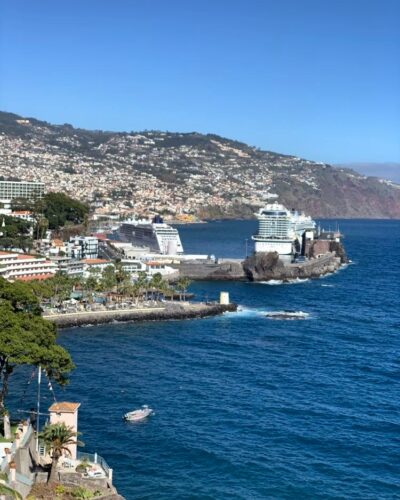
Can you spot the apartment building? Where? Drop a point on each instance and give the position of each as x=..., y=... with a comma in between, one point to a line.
x=24, y=267
x=10, y=190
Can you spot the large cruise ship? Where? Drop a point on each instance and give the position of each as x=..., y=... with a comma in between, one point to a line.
x=155, y=235
x=283, y=231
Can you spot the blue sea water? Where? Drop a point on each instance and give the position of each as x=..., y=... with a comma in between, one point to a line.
x=247, y=407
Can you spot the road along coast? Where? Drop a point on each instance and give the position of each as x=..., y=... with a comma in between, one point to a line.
x=159, y=312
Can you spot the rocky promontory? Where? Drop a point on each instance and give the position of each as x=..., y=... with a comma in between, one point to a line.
x=324, y=257
x=268, y=266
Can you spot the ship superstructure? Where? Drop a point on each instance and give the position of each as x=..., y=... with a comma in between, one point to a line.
x=283, y=231
x=155, y=235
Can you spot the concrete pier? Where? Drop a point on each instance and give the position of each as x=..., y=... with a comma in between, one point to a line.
x=162, y=311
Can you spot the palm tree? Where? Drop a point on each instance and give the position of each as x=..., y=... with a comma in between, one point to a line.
x=57, y=438
x=182, y=286
x=156, y=283
x=142, y=283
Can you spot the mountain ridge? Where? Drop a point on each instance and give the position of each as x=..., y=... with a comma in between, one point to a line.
x=170, y=172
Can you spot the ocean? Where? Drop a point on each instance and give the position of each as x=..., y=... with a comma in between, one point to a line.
x=247, y=406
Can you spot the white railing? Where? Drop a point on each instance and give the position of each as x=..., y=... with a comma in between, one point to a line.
x=96, y=459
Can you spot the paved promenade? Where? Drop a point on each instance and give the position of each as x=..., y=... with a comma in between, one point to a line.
x=166, y=311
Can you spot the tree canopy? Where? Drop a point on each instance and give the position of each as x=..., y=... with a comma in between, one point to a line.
x=59, y=209
x=27, y=339
x=15, y=233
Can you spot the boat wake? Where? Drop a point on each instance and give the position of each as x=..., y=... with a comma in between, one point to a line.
x=287, y=315
x=295, y=281
x=249, y=312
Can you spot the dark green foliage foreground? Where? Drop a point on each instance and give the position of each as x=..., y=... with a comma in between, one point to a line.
x=26, y=338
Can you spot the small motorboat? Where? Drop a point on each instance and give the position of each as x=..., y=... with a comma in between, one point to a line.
x=136, y=415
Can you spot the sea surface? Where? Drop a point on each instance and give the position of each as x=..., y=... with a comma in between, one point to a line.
x=248, y=406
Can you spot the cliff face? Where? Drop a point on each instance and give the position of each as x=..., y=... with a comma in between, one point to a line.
x=326, y=257
x=206, y=175
x=267, y=266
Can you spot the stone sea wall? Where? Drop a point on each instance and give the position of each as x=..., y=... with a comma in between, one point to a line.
x=165, y=311
x=210, y=270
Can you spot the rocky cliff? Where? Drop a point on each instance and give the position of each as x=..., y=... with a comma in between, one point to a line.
x=268, y=266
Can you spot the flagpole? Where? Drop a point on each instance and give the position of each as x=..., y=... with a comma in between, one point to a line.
x=38, y=408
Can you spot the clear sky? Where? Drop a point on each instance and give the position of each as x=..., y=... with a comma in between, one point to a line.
x=315, y=78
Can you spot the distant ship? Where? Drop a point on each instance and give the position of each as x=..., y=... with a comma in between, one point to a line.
x=154, y=235
x=283, y=231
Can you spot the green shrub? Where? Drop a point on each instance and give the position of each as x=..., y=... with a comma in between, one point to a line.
x=82, y=493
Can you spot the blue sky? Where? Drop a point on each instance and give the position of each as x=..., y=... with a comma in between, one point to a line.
x=315, y=78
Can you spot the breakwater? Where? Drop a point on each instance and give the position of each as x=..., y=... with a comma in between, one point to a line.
x=163, y=311
x=260, y=267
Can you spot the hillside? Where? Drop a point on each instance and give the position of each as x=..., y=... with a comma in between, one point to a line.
x=387, y=170
x=166, y=172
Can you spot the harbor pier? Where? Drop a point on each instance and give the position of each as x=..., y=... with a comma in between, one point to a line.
x=158, y=312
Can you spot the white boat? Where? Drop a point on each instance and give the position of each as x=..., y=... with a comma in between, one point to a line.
x=141, y=414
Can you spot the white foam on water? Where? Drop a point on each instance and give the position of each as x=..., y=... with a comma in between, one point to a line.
x=295, y=281
x=287, y=315
x=248, y=312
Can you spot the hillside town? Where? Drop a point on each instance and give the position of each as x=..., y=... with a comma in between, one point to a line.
x=151, y=172
x=182, y=176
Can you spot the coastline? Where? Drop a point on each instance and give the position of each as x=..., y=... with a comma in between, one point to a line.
x=166, y=311
x=262, y=267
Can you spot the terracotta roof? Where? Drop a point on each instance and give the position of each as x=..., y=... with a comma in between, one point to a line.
x=23, y=256
x=39, y=277
x=96, y=261
x=100, y=236
x=21, y=212
x=64, y=407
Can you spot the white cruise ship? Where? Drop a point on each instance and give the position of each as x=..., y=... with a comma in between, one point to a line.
x=283, y=231
x=155, y=235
